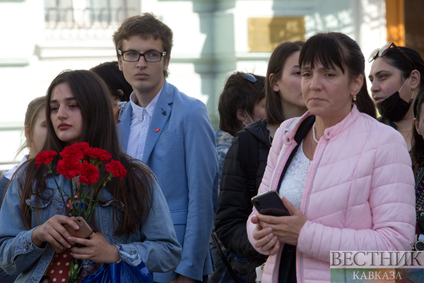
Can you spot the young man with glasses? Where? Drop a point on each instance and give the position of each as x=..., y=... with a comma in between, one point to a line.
x=171, y=133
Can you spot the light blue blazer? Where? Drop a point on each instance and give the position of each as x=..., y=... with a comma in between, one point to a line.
x=180, y=149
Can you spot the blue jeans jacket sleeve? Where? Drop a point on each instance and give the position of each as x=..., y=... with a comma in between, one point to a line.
x=156, y=243
x=18, y=253
x=160, y=250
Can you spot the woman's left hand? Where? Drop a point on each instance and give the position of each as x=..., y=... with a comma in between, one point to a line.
x=96, y=249
x=286, y=228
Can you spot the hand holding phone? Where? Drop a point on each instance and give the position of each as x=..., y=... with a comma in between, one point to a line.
x=84, y=230
x=270, y=203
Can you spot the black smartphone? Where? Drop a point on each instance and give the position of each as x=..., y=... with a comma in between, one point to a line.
x=270, y=203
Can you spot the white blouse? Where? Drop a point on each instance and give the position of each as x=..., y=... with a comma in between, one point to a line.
x=294, y=180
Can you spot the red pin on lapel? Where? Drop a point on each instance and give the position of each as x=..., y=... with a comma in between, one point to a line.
x=157, y=130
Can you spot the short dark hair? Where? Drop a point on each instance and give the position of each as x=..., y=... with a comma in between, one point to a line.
x=273, y=102
x=335, y=49
x=114, y=79
x=238, y=93
x=145, y=26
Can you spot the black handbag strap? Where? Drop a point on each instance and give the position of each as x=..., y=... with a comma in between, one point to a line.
x=287, y=269
x=223, y=256
x=298, y=137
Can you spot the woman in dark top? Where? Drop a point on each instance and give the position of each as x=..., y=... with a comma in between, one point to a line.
x=397, y=73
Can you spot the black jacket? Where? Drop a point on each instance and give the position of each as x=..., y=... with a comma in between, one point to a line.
x=235, y=206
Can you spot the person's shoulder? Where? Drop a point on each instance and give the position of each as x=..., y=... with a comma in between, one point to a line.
x=141, y=167
x=122, y=105
x=3, y=183
x=181, y=97
x=223, y=138
x=189, y=110
x=374, y=123
x=288, y=125
x=380, y=131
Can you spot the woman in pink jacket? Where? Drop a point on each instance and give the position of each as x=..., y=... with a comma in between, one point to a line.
x=349, y=185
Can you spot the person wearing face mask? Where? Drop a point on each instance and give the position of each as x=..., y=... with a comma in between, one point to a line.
x=246, y=159
x=241, y=102
x=397, y=73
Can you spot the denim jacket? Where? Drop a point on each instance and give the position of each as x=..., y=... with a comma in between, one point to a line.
x=223, y=143
x=156, y=243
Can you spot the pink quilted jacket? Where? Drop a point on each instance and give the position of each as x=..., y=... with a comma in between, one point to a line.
x=359, y=194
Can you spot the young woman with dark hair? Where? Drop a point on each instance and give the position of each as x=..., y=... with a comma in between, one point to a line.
x=345, y=178
x=246, y=159
x=397, y=73
x=133, y=222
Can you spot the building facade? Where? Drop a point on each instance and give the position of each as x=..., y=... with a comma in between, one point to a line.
x=212, y=39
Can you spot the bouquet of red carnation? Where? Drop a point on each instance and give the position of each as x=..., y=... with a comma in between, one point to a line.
x=81, y=160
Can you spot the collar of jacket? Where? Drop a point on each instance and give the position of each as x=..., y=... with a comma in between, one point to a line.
x=329, y=133
x=258, y=129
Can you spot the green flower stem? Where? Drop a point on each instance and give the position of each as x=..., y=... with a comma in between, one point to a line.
x=75, y=270
x=57, y=185
x=72, y=197
x=92, y=206
x=81, y=201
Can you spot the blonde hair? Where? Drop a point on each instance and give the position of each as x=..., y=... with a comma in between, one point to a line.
x=33, y=109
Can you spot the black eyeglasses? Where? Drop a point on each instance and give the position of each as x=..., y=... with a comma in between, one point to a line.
x=149, y=56
x=251, y=78
x=383, y=51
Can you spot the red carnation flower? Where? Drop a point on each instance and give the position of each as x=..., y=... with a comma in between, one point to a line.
x=89, y=173
x=73, y=152
x=45, y=157
x=82, y=146
x=99, y=154
x=69, y=167
x=116, y=168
